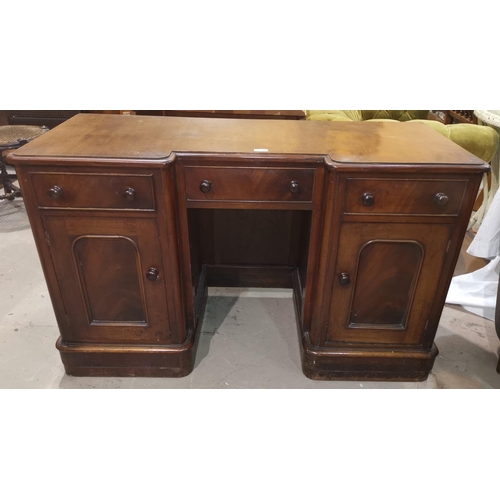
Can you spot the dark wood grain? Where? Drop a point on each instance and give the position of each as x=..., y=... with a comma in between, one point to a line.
x=167, y=212
x=111, y=287
x=252, y=237
x=250, y=276
x=386, y=276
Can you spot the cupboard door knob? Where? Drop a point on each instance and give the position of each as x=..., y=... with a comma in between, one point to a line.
x=368, y=199
x=55, y=192
x=441, y=199
x=152, y=274
x=205, y=186
x=129, y=194
x=294, y=187
x=344, y=279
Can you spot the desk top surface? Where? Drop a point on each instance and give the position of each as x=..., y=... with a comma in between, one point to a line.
x=155, y=138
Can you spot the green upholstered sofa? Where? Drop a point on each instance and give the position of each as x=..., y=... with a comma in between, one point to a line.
x=479, y=140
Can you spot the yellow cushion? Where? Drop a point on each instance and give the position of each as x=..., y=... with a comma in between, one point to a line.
x=400, y=116
x=334, y=116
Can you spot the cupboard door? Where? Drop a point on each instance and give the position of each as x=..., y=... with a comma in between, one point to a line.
x=386, y=280
x=110, y=274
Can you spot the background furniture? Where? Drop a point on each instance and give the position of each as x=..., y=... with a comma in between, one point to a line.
x=47, y=119
x=453, y=116
x=267, y=114
x=461, y=116
x=12, y=137
x=135, y=217
x=3, y=118
x=492, y=119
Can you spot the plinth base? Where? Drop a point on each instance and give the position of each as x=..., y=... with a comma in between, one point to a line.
x=97, y=360
x=363, y=364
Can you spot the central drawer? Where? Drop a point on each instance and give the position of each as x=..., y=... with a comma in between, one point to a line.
x=249, y=184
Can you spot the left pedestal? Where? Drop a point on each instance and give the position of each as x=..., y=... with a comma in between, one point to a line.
x=108, y=249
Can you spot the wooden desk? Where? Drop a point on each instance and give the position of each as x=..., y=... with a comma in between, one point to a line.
x=134, y=216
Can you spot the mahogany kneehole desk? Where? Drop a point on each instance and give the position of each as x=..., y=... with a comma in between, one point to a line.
x=134, y=217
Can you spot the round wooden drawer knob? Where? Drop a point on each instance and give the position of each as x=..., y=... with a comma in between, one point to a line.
x=205, y=186
x=344, y=279
x=441, y=199
x=368, y=199
x=294, y=187
x=129, y=194
x=54, y=192
x=152, y=274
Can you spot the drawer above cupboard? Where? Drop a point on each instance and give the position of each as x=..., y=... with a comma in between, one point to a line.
x=404, y=196
x=96, y=191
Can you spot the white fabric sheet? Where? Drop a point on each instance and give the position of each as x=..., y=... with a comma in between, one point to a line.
x=486, y=244
x=477, y=292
